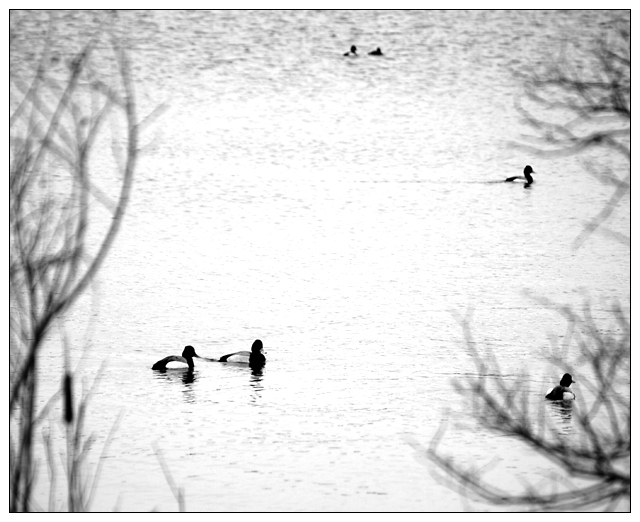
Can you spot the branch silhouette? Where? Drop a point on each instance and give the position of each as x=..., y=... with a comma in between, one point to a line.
x=57, y=245
x=586, y=106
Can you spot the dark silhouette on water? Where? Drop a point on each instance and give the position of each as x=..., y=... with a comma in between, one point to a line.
x=352, y=51
x=187, y=356
x=527, y=176
x=256, y=358
x=562, y=392
x=377, y=52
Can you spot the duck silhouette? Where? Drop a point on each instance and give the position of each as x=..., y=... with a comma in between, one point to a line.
x=527, y=177
x=377, y=52
x=186, y=358
x=254, y=358
x=562, y=391
x=352, y=51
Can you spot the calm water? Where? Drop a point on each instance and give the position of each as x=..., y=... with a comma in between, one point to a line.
x=339, y=209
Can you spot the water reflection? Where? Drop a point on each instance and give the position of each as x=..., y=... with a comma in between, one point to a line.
x=184, y=376
x=257, y=374
x=188, y=376
x=562, y=412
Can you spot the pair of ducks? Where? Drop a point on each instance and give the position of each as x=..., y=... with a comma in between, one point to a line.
x=254, y=358
x=354, y=49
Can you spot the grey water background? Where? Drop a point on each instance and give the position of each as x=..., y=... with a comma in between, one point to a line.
x=339, y=209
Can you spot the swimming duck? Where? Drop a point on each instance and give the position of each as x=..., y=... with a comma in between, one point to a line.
x=351, y=51
x=377, y=52
x=527, y=176
x=562, y=392
x=254, y=358
x=187, y=356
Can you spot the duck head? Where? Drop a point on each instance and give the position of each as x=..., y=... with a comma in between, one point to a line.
x=566, y=380
x=527, y=175
x=189, y=352
x=256, y=347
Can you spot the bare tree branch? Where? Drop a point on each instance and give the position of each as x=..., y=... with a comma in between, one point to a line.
x=55, y=126
x=571, y=109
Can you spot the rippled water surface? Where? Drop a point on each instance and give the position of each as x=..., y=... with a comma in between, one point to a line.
x=339, y=209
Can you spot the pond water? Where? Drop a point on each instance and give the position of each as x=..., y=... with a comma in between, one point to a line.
x=340, y=209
